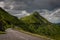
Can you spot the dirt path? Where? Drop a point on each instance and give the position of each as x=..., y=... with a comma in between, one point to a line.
x=15, y=35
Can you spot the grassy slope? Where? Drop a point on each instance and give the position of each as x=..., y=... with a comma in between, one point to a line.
x=7, y=20
x=39, y=25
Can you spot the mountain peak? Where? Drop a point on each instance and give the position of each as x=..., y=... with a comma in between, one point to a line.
x=35, y=18
x=36, y=13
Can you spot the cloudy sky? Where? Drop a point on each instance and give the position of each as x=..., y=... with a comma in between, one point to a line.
x=51, y=8
x=30, y=5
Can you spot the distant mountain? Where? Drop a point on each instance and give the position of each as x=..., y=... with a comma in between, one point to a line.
x=35, y=23
x=7, y=20
x=35, y=18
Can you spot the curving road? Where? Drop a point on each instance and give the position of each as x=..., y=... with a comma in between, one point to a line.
x=15, y=35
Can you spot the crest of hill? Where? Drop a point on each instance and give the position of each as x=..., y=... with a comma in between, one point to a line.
x=7, y=19
x=35, y=18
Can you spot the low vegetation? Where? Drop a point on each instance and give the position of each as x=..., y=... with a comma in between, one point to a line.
x=7, y=20
x=34, y=23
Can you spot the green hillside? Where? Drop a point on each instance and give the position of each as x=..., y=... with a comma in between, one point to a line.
x=7, y=20
x=35, y=23
x=35, y=18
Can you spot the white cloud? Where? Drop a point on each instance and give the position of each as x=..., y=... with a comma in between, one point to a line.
x=2, y=4
x=55, y=12
x=11, y=6
x=52, y=16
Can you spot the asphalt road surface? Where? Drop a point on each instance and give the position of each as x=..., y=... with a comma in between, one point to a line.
x=16, y=35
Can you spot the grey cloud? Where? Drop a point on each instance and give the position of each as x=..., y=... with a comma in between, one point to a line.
x=1, y=0
x=31, y=5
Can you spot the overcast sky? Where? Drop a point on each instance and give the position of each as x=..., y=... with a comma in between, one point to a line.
x=16, y=6
x=30, y=5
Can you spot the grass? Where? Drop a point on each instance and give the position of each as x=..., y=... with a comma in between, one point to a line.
x=2, y=32
x=29, y=33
